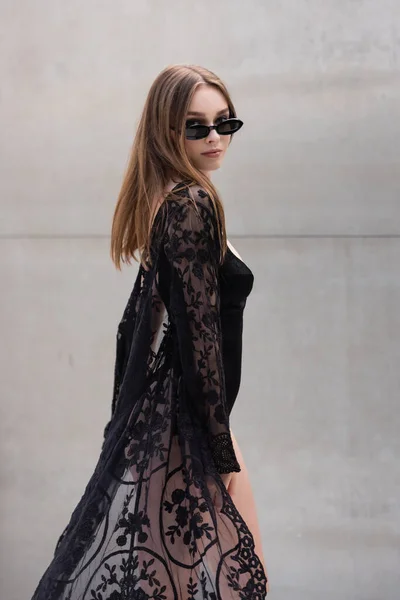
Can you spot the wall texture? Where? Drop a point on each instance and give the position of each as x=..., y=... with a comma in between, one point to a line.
x=311, y=190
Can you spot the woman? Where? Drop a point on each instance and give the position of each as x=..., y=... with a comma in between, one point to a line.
x=168, y=513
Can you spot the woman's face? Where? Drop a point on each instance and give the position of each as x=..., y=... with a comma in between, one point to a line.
x=208, y=107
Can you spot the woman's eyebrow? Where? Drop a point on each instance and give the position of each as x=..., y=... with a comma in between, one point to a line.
x=200, y=114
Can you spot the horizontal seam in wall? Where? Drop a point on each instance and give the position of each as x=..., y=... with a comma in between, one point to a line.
x=232, y=236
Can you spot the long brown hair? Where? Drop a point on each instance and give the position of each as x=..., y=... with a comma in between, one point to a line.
x=157, y=156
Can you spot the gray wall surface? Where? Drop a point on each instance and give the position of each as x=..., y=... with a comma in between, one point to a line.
x=311, y=191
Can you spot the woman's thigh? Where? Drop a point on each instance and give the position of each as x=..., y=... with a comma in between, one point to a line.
x=241, y=492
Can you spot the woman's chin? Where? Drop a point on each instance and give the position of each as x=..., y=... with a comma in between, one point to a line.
x=214, y=166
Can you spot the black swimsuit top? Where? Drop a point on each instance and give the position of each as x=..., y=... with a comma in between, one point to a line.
x=236, y=283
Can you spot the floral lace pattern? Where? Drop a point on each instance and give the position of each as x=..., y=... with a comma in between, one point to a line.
x=155, y=520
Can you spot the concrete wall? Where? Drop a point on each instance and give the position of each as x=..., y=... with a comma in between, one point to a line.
x=311, y=190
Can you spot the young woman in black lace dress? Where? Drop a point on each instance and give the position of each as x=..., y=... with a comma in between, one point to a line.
x=168, y=513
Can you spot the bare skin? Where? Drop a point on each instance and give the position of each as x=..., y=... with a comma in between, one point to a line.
x=239, y=488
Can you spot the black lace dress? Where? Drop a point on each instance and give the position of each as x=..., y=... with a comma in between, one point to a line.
x=155, y=520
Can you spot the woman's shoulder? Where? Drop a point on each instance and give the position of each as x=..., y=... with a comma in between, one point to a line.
x=187, y=219
x=189, y=198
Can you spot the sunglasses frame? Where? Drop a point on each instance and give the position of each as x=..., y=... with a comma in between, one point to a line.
x=208, y=128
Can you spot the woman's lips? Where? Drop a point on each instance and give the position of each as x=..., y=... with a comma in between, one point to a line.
x=212, y=154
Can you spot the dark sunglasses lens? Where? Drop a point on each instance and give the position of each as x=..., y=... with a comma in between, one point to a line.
x=229, y=126
x=196, y=132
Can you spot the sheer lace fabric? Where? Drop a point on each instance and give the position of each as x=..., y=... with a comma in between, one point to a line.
x=155, y=520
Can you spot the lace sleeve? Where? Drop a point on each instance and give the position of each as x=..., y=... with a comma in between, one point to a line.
x=192, y=250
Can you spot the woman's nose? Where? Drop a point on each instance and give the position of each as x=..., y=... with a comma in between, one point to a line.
x=212, y=136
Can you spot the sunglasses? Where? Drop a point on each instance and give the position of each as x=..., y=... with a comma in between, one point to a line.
x=196, y=131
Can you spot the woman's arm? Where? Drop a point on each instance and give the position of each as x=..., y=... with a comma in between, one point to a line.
x=191, y=248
